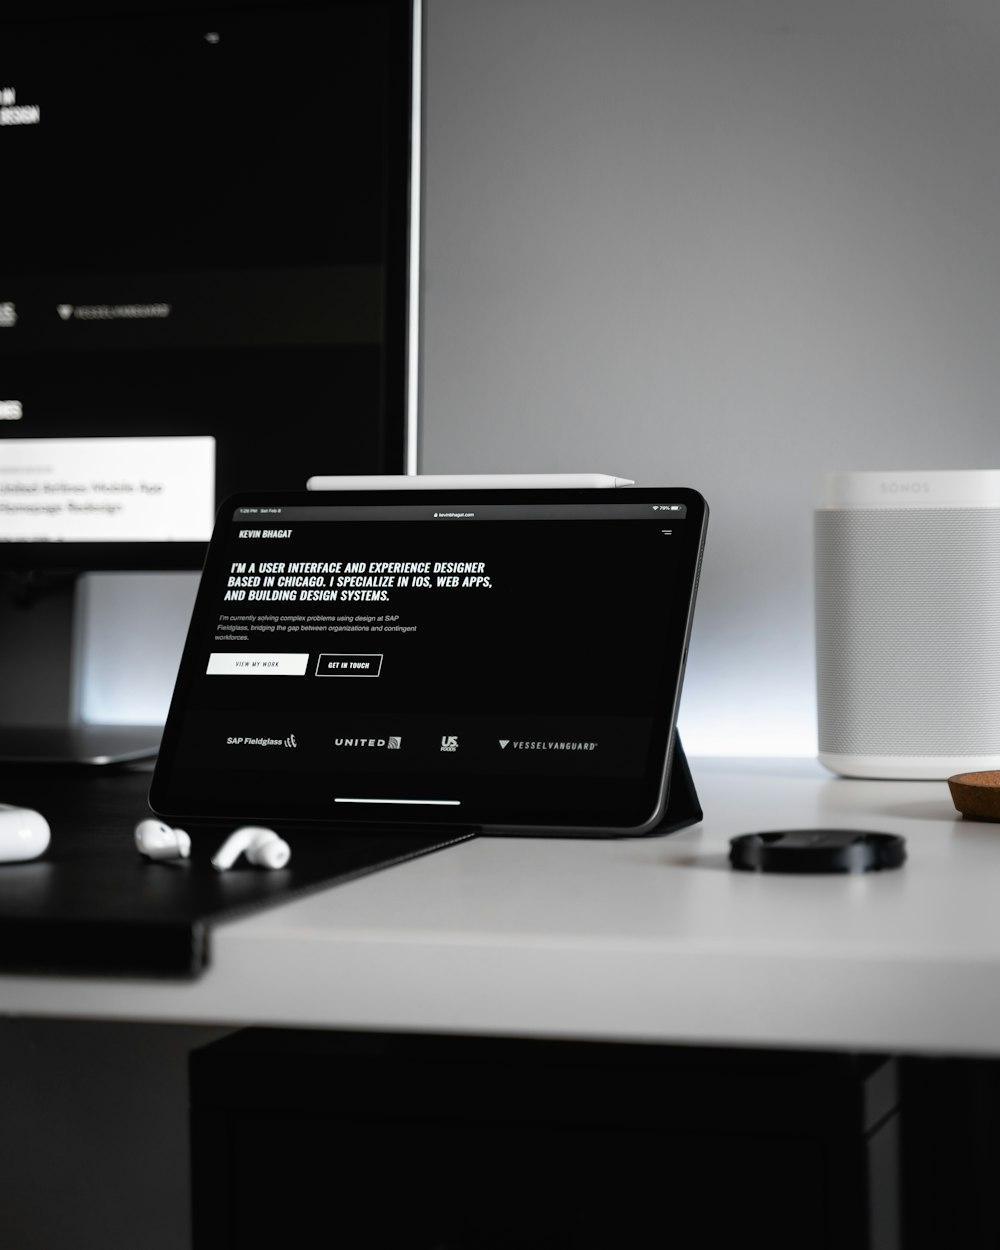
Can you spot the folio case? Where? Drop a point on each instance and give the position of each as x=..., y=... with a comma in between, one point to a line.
x=683, y=807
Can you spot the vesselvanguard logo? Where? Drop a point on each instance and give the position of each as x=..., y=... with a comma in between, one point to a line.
x=113, y=312
x=547, y=746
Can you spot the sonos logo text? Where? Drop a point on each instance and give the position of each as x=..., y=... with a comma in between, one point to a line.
x=905, y=488
x=10, y=410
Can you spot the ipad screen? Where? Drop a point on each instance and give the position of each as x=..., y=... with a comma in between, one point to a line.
x=486, y=659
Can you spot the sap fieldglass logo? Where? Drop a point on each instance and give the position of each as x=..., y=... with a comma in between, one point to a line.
x=449, y=743
x=8, y=315
x=905, y=488
x=10, y=410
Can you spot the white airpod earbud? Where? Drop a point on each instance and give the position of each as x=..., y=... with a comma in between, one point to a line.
x=24, y=834
x=262, y=847
x=156, y=840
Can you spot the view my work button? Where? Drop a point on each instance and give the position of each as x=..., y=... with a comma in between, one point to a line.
x=348, y=664
x=257, y=664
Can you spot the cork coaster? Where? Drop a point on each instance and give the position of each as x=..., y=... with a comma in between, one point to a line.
x=976, y=795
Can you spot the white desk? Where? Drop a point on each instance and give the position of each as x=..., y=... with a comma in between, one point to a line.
x=650, y=939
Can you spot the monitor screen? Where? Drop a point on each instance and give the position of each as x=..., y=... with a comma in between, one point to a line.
x=205, y=281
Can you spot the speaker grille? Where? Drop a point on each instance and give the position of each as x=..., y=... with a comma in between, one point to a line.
x=908, y=631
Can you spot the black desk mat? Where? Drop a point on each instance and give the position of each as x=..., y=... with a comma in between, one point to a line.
x=92, y=906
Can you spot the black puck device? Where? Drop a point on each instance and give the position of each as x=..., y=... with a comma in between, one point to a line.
x=817, y=850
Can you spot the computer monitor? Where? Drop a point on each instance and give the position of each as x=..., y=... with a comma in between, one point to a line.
x=207, y=283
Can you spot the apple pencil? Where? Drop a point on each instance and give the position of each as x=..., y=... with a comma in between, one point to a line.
x=468, y=481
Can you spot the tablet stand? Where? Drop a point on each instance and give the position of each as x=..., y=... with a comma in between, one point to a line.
x=683, y=808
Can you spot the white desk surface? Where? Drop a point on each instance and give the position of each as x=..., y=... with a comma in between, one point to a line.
x=647, y=939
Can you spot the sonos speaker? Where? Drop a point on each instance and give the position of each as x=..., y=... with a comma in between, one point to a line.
x=908, y=623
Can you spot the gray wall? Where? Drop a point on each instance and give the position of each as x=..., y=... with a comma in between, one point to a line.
x=727, y=244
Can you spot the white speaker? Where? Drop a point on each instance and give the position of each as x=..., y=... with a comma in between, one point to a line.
x=908, y=623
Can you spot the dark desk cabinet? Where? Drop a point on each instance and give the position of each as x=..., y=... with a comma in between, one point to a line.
x=304, y=1139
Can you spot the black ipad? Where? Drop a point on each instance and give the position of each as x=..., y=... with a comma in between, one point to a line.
x=490, y=660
